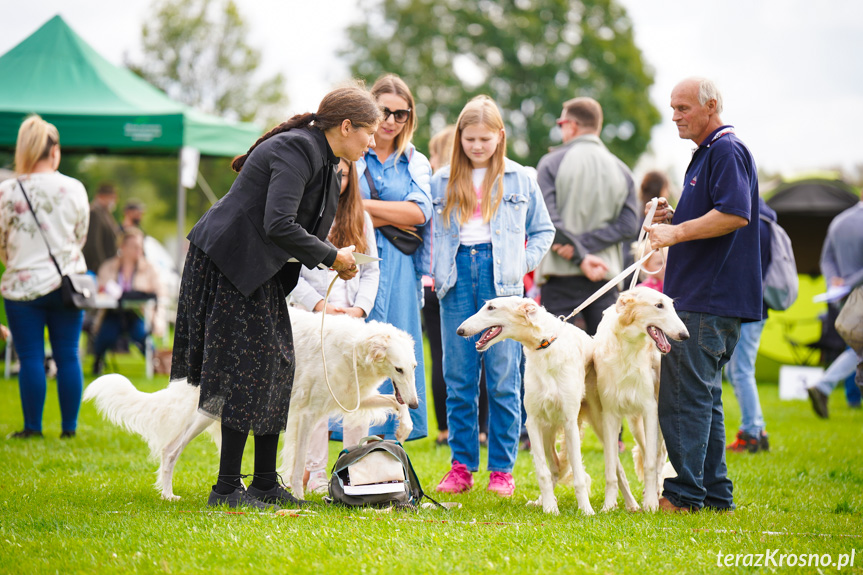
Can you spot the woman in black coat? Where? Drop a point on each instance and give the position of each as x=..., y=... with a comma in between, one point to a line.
x=233, y=336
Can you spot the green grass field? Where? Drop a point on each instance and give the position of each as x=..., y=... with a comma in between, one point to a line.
x=87, y=505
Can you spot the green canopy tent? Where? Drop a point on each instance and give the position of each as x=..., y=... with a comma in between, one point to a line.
x=102, y=108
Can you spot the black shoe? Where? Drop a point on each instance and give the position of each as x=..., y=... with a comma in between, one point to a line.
x=239, y=498
x=24, y=434
x=278, y=495
x=67, y=435
x=763, y=443
x=819, y=402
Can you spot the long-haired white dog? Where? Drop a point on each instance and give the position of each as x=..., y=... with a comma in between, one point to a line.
x=628, y=346
x=557, y=363
x=357, y=353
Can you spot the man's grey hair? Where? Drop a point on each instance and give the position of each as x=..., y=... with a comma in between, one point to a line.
x=707, y=91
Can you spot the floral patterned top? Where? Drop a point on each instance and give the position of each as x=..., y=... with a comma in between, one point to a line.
x=64, y=213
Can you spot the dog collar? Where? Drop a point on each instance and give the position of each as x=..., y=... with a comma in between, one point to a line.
x=546, y=342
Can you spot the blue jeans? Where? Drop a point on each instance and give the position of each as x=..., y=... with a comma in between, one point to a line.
x=113, y=325
x=690, y=411
x=740, y=372
x=27, y=322
x=462, y=364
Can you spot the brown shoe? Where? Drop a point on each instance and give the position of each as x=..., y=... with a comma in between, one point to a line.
x=669, y=507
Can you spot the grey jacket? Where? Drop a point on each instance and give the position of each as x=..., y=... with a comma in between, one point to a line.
x=591, y=175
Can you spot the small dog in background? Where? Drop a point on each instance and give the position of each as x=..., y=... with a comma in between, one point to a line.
x=358, y=354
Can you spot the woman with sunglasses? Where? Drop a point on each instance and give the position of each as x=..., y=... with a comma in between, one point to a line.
x=399, y=176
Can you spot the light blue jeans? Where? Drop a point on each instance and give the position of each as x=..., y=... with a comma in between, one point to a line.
x=462, y=364
x=740, y=372
x=841, y=368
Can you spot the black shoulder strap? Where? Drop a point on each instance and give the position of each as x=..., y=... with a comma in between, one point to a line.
x=373, y=191
x=39, y=227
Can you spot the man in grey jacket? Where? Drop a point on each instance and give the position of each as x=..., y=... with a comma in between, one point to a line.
x=590, y=196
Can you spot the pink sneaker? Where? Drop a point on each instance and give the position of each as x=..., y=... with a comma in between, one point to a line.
x=457, y=480
x=501, y=483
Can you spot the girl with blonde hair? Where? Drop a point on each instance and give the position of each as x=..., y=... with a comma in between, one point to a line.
x=490, y=228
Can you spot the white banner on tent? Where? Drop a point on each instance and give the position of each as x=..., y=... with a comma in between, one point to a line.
x=189, y=159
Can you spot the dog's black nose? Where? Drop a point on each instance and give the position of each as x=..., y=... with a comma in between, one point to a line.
x=460, y=331
x=684, y=335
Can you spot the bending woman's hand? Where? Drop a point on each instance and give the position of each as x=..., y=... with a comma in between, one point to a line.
x=346, y=264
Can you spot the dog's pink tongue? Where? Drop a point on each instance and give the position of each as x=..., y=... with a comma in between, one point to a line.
x=488, y=335
x=659, y=337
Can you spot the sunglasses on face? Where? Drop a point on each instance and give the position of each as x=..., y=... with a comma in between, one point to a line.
x=400, y=116
x=563, y=121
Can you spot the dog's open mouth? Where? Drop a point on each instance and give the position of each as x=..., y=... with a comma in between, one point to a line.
x=487, y=336
x=398, y=395
x=659, y=337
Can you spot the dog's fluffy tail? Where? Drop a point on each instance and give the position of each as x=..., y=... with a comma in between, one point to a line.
x=158, y=417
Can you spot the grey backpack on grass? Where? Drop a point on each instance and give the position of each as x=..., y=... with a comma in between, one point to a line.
x=410, y=493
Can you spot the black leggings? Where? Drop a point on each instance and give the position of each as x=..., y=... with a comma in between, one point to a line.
x=231, y=461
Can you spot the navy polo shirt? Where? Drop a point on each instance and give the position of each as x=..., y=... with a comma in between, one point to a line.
x=720, y=276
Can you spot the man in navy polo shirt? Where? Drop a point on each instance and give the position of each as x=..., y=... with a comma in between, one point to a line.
x=714, y=276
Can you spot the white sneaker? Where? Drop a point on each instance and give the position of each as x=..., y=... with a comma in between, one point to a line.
x=318, y=482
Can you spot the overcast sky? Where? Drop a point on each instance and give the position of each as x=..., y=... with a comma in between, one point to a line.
x=788, y=69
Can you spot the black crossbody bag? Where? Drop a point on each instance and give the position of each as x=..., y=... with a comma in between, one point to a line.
x=78, y=290
x=406, y=241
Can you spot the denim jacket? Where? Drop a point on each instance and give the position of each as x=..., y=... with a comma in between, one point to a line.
x=521, y=215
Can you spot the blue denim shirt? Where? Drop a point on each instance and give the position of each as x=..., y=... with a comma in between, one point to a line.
x=521, y=215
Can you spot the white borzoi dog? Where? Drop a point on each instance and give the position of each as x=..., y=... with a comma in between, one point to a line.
x=372, y=352
x=628, y=346
x=557, y=362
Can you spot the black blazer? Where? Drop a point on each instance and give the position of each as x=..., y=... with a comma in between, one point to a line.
x=281, y=205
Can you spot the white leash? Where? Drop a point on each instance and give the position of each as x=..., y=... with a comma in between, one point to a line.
x=324, y=357
x=633, y=268
x=643, y=243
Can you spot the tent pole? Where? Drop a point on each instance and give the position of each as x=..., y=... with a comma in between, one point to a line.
x=181, y=212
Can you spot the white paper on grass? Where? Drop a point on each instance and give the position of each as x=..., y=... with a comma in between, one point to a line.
x=361, y=259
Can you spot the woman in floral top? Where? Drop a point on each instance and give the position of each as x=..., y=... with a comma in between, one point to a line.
x=31, y=284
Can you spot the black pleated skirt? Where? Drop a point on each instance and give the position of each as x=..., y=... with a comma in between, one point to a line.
x=239, y=350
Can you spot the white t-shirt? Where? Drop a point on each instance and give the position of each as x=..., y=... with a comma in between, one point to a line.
x=475, y=230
